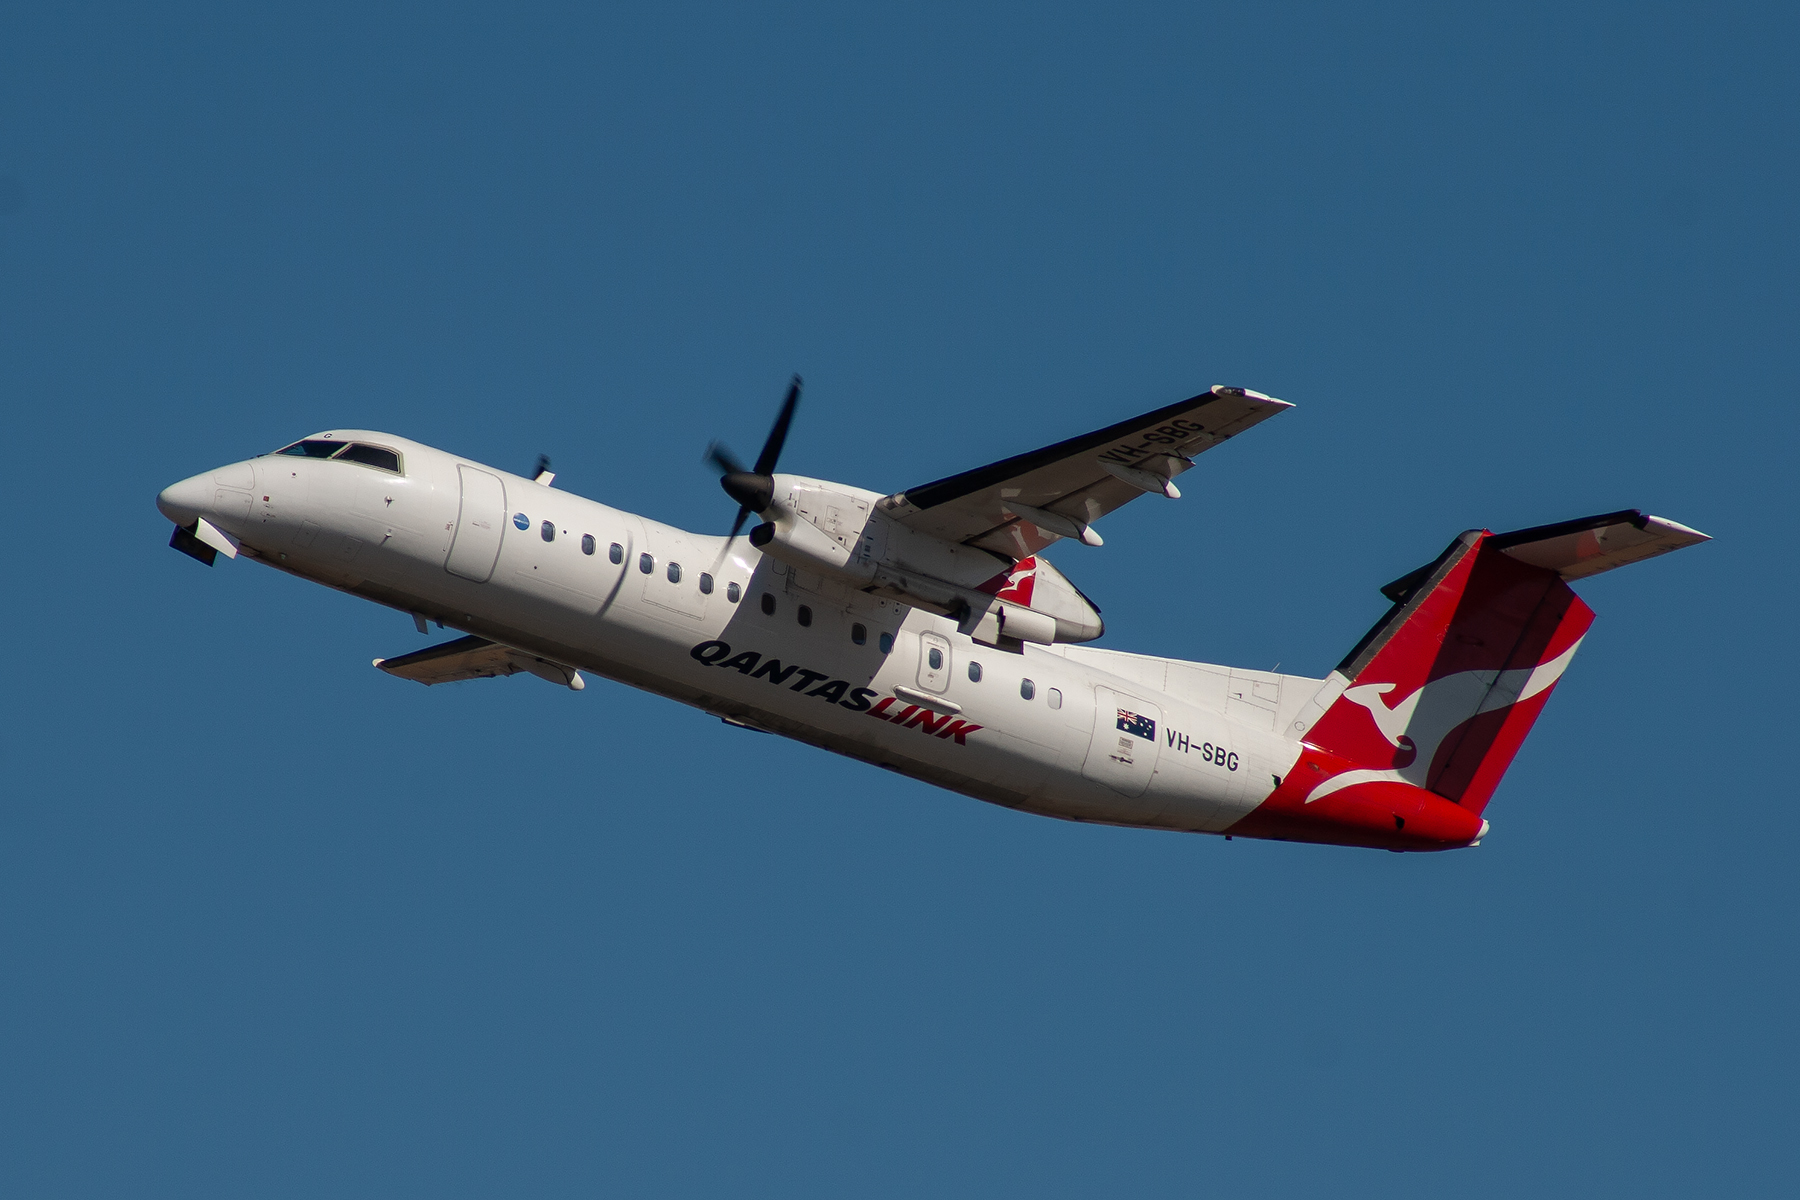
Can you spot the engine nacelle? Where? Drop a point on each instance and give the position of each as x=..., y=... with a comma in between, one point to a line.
x=1035, y=602
x=800, y=543
x=839, y=533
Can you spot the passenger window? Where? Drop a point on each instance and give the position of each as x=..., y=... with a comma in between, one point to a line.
x=732, y=592
x=935, y=658
x=705, y=584
x=768, y=604
x=859, y=634
x=371, y=456
x=674, y=572
x=1027, y=688
x=312, y=449
x=547, y=531
x=616, y=553
x=887, y=642
x=804, y=615
x=1053, y=698
x=974, y=672
x=646, y=563
x=587, y=543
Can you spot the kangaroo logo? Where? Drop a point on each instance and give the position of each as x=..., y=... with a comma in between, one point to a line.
x=1392, y=722
x=1423, y=718
x=1017, y=587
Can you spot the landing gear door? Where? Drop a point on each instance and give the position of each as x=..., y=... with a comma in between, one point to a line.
x=1122, y=753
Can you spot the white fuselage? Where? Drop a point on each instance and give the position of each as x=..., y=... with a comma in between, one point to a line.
x=1052, y=746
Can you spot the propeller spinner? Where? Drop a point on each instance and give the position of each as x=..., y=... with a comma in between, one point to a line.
x=754, y=489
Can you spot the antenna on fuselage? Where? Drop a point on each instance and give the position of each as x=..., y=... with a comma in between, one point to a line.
x=543, y=474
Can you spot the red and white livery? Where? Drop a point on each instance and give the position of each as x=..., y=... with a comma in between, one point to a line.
x=925, y=632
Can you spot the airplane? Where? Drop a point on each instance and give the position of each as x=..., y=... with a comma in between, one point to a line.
x=925, y=631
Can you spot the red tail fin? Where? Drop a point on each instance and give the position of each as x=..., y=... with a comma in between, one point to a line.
x=1444, y=689
x=1425, y=715
x=1405, y=743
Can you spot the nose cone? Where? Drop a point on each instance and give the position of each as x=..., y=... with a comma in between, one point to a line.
x=188, y=500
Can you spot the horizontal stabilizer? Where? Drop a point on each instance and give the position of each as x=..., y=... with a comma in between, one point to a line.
x=476, y=658
x=1590, y=545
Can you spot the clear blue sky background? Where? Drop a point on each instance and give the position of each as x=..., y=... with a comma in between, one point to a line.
x=274, y=924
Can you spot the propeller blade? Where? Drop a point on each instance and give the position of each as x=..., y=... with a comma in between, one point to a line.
x=771, y=451
x=720, y=456
x=732, y=538
x=752, y=492
x=753, y=489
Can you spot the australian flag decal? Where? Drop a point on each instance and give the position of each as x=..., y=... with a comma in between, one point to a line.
x=1137, y=726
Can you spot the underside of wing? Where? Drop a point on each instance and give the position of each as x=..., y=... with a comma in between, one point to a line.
x=1018, y=506
x=476, y=658
x=1577, y=549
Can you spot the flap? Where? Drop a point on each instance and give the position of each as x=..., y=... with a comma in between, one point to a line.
x=1577, y=549
x=476, y=658
x=1079, y=480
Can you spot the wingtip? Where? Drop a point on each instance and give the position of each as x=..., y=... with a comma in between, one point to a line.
x=1223, y=389
x=1689, y=534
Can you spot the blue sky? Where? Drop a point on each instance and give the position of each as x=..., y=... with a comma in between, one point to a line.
x=275, y=924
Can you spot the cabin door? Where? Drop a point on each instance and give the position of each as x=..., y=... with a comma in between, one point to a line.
x=480, y=521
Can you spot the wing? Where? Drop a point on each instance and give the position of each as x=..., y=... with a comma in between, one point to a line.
x=1020, y=505
x=475, y=658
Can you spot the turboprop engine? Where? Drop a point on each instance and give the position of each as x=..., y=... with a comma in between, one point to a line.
x=839, y=532
x=842, y=534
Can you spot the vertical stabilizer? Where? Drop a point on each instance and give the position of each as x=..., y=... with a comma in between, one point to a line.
x=1406, y=742
x=1444, y=689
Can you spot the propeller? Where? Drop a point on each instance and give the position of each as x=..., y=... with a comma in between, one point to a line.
x=754, y=489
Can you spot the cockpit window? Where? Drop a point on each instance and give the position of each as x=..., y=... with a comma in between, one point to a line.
x=356, y=452
x=312, y=449
x=372, y=456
